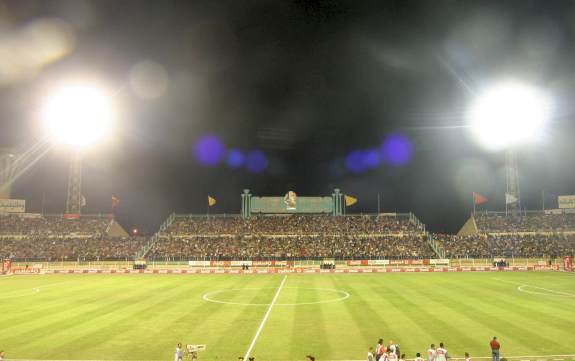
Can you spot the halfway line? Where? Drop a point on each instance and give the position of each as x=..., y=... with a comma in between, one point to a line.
x=265, y=318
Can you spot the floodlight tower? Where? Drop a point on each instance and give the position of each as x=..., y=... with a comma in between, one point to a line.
x=77, y=116
x=505, y=117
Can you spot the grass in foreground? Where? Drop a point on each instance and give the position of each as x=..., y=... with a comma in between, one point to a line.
x=142, y=317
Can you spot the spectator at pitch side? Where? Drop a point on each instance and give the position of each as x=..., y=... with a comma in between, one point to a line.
x=495, y=346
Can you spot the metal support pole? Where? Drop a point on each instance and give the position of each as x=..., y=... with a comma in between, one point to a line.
x=512, y=180
x=74, y=199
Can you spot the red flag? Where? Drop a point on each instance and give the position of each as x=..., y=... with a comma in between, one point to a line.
x=115, y=202
x=479, y=199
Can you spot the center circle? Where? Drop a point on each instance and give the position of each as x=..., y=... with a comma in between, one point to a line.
x=338, y=296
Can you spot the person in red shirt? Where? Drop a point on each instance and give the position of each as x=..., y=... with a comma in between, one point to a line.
x=379, y=349
x=495, y=346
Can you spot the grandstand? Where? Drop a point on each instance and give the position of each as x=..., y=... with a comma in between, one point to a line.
x=292, y=236
x=54, y=238
x=549, y=234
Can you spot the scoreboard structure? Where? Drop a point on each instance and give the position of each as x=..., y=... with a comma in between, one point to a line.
x=292, y=203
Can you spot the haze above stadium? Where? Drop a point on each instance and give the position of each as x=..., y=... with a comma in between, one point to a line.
x=315, y=95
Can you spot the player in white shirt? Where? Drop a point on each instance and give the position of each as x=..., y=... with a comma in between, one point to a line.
x=391, y=355
x=441, y=353
x=467, y=358
x=431, y=353
x=370, y=356
x=179, y=356
x=418, y=357
x=391, y=346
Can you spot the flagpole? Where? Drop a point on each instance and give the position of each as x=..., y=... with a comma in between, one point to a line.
x=473, y=201
x=543, y=200
x=378, y=209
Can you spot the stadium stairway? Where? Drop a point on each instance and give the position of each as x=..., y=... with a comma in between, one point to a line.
x=435, y=246
x=148, y=246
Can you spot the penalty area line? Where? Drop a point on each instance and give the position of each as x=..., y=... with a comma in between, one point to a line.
x=265, y=318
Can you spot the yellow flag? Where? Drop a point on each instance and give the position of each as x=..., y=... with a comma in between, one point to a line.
x=211, y=201
x=349, y=200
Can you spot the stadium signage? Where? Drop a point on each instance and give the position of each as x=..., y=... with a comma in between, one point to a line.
x=12, y=206
x=290, y=203
x=566, y=201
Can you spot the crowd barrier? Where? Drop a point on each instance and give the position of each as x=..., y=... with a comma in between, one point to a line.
x=286, y=270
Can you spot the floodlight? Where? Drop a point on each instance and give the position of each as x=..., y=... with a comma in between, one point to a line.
x=78, y=115
x=507, y=115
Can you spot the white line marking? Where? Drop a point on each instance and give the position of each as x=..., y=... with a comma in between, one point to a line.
x=265, y=318
x=343, y=296
x=548, y=292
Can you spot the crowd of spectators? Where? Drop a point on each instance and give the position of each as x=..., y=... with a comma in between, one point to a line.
x=70, y=249
x=494, y=223
x=290, y=224
x=283, y=237
x=51, y=226
x=508, y=245
x=55, y=238
x=292, y=236
x=284, y=247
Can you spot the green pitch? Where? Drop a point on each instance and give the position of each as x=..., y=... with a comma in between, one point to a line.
x=334, y=317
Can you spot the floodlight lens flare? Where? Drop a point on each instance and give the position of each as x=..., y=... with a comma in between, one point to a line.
x=78, y=116
x=508, y=115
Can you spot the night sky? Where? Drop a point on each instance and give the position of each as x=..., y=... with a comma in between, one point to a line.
x=320, y=88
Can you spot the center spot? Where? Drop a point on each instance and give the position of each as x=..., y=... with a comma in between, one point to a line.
x=289, y=296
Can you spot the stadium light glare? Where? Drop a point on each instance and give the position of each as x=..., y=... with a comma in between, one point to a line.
x=507, y=115
x=78, y=115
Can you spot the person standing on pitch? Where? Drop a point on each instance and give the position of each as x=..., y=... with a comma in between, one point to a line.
x=431, y=353
x=495, y=346
x=391, y=347
x=418, y=357
x=379, y=349
x=467, y=357
x=441, y=353
x=179, y=356
x=370, y=356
